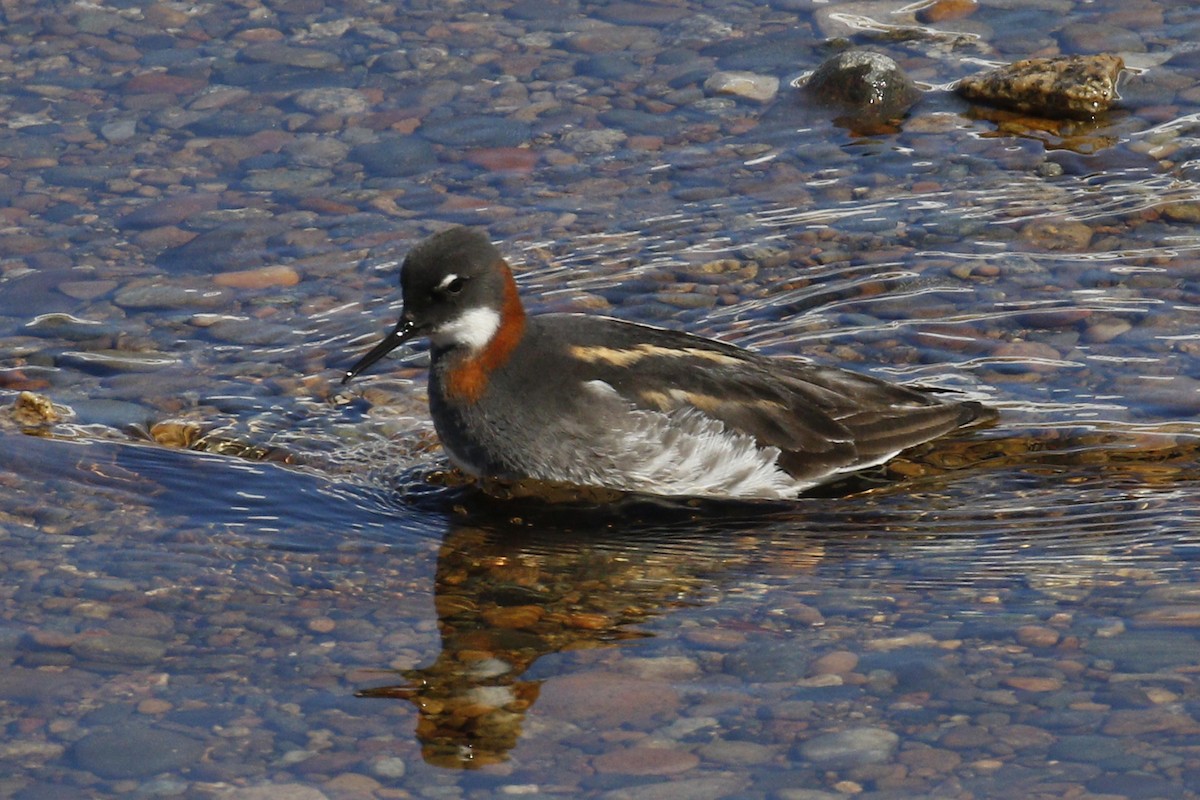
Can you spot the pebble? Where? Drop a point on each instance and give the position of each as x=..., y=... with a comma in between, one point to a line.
x=850, y=748
x=838, y=662
x=477, y=131
x=645, y=761
x=160, y=296
x=260, y=278
x=748, y=85
x=395, y=157
x=278, y=791
x=118, y=649
x=947, y=11
x=737, y=753
x=606, y=699
x=302, y=151
x=715, y=787
x=134, y=751
x=332, y=100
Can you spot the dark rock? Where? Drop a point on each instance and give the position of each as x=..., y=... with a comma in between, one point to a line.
x=229, y=122
x=867, y=88
x=229, y=247
x=1145, y=651
x=633, y=121
x=135, y=752
x=543, y=10
x=84, y=176
x=395, y=157
x=768, y=662
x=171, y=211
x=476, y=131
x=774, y=52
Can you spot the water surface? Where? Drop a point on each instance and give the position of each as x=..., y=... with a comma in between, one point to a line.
x=225, y=575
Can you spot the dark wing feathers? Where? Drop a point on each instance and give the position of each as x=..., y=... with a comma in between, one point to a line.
x=822, y=419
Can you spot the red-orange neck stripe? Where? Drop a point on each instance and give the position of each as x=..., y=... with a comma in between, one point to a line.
x=466, y=381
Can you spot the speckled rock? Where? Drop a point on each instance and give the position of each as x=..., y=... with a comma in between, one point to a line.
x=1065, y=86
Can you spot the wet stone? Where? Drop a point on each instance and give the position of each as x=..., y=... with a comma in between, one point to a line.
x=606, y=699
x=1145, y=651
x=768, y=662
x=865, y=85
x=716, y=787
x=249, y=331
x=288, y=55
x=1064, y=86
x=395, y=157
x=287, y=179
x=1090, y=749
x=333, y=100
x=66, y=326
x=850, y=748
x=735, y=753
x=168, y=297
x=477, y=131
x=118, y=649
x=135, y=752
x=171, y=211
x=111, y=362
x=278, y=791
x=645, y=761
x=747, y=85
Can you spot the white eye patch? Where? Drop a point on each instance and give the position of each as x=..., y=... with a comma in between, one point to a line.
x=446, y=281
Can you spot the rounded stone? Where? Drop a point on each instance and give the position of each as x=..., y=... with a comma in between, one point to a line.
x=850, y=748
x=135, y=752
x=395, y=157
x=863, y=84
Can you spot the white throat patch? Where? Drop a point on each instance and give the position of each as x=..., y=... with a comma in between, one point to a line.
x=472, y=329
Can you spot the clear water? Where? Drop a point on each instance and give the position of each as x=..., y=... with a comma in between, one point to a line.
x=294, y=584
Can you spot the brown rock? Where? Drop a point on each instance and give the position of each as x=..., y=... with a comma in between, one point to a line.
x=930, y=759
x=1062, y=86
x=1184, y=616
x=645, y=761
x=839, y=662
x=1138, y=721
x=1033, y=683
x=1037, y=636
x=162, y=83
x=260, y=278
x=1032, y=356
x=503, y=159
x=715, y=638
x=1048, y=234
x=966, y=737
x=168, y=211
x=513, y=617
x=947, y=10
x=606, y=699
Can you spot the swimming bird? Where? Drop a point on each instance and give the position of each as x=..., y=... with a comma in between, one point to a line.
x=594, y=401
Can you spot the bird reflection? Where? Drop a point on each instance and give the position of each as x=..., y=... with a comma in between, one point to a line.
x=506, y=596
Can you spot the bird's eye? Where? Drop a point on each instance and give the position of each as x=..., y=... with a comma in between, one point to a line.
x=455, y=286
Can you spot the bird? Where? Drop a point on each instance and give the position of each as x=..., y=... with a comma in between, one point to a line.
x=598, y=402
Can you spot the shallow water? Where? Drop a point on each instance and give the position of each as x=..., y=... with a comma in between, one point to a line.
x=224, y=575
